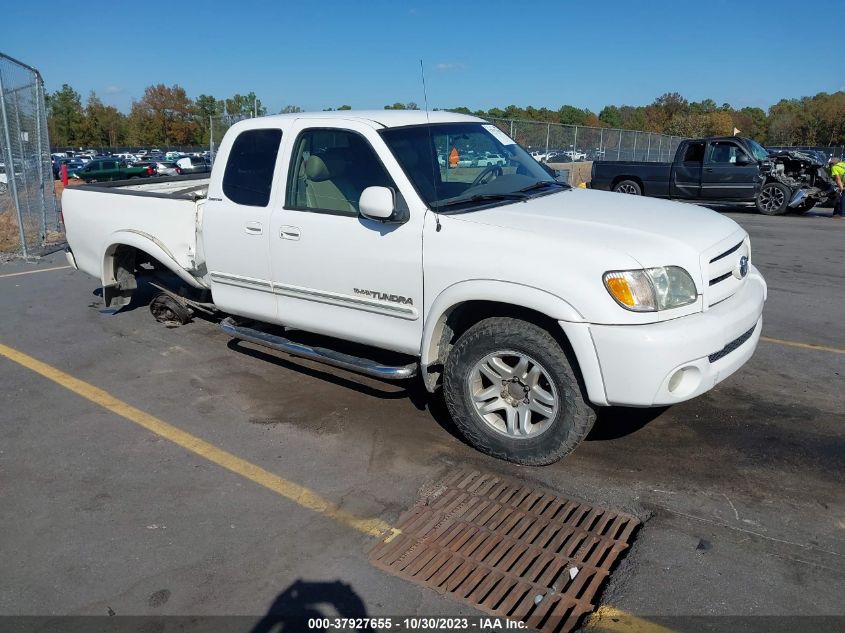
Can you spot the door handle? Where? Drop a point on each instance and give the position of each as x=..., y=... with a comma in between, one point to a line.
x=253, y=228
x=289, y=232
x=708, y=169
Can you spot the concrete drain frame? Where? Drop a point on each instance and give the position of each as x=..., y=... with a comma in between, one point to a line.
x=509, y=550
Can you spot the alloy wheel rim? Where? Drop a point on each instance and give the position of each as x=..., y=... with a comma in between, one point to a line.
x=771, y=198
x=626, y=189
x=513, y=394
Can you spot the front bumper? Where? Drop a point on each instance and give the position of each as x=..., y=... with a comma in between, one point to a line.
x=672, y=361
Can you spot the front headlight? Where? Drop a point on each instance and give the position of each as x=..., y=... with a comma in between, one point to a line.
x=652, y=289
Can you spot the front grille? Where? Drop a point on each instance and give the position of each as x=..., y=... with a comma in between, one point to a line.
x=726, y=253
x=727, y=349
x=721, y=281
x=716, y=280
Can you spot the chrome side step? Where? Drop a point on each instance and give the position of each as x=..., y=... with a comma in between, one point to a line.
x=320, y=354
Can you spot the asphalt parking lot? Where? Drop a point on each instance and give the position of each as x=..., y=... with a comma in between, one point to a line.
x=105, y=511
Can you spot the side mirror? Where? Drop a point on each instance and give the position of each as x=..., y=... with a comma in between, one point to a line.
x=742, y=160
x=377, y=203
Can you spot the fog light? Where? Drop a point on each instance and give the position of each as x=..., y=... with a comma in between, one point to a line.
x=676, y=379
x=684, y=381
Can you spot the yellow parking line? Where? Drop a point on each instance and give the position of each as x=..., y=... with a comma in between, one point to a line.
x=32, y=272
x=617, y=621
x=817, y=348
x=288, y=489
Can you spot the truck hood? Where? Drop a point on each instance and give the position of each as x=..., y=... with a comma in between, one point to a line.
x=647, y=229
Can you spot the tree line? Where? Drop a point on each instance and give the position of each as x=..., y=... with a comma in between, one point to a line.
x=167, y=116
x=816, y=120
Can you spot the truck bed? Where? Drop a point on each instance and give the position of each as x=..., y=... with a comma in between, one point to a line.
x=192, y=186
x=653, y=178
x=157, y=215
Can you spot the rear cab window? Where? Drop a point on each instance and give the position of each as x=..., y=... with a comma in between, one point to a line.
x=248, y=177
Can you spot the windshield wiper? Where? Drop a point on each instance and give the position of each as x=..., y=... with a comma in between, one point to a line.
x=543, y=183
x=483, y=197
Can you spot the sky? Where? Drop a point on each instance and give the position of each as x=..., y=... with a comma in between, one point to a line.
x=324, y=53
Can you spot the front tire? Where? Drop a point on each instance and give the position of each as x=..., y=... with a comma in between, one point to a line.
x=514, y=394
x=631, y=187
x=773, y=198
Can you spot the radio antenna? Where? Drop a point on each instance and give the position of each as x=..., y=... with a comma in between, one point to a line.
x=431, y=141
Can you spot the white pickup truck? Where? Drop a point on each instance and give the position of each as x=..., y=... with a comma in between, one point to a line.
x=529, y=302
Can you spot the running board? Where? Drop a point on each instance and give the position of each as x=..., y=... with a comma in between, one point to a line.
x=320, y=354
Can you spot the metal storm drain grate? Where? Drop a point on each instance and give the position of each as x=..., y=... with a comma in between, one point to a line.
x=509, y=550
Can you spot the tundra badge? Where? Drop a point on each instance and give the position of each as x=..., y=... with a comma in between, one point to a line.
x=384, y=296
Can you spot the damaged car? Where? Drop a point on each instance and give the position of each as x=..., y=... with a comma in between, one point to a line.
x=724, y=170
x=806, y=175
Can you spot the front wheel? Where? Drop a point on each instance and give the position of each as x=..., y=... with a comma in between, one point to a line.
x=773, y=199
x=628, y=186
x=514, y=394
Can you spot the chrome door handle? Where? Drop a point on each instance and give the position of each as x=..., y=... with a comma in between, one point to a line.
x=254, y=228
x=289, y=232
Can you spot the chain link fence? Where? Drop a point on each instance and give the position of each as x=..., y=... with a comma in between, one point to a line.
x=559, y=143
x=29, y=214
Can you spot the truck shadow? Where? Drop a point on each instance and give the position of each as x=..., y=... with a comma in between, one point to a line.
x=613, y=423
x=412, y=389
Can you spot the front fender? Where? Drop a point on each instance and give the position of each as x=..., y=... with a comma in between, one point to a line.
x=488, y=290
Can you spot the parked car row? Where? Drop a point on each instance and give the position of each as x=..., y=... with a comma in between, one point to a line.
x=471, y=158
x=92, y=167
x=566, y=155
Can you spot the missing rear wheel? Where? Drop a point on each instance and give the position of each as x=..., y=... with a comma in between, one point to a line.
x=169, y=311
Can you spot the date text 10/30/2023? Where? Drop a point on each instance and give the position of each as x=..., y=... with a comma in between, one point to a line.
x=479, y=623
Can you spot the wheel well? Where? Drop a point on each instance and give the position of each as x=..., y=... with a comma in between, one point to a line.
x=461, y=317
x=123, y=256
x=772, y=180
x=635, y=179
x=122, y=262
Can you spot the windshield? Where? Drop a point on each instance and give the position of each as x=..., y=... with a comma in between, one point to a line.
x=757, y=150
x=461, y=166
